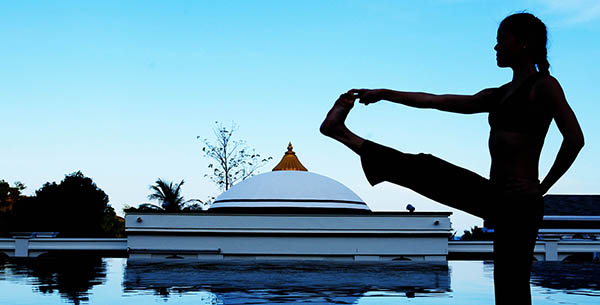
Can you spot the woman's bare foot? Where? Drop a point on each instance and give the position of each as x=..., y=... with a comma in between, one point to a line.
x=334, y=125
x=334, y=122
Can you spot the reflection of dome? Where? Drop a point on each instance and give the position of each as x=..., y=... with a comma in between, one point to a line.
x=289, y=187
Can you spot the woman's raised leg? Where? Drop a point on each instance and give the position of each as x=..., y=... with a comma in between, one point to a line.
x=425, y=174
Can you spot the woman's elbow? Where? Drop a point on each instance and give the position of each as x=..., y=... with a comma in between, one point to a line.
x=581, y=142
x=576, y=141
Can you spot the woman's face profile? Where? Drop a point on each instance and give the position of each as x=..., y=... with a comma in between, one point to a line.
x=508, y=49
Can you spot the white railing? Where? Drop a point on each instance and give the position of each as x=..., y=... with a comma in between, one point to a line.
x=548, y=249
x=31, y=247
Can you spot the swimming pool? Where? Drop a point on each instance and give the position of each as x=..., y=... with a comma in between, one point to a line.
x=94, y=280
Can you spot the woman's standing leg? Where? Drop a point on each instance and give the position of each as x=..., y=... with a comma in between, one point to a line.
x=516, y=229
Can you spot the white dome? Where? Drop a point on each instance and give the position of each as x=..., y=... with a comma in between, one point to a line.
x=290, y=189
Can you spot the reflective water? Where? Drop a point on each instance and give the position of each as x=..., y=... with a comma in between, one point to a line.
x=92, y=280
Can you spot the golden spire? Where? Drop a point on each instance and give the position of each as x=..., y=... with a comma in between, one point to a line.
x=290, y=162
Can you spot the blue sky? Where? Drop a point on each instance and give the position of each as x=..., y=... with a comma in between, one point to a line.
x=121, y=89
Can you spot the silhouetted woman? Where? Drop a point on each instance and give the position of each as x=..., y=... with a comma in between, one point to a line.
x=520, y=113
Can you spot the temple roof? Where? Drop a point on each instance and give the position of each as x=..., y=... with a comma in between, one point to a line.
x=289, y=162
x=290, y=189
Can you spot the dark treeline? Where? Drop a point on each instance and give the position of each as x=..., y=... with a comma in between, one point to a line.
x=477, y=233
x=75, y=207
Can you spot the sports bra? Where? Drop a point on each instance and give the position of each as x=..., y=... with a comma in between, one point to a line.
x=517, y=112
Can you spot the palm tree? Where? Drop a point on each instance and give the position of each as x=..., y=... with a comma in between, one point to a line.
x=168, y=195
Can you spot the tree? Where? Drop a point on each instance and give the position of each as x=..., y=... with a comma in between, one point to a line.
x=9, y=197
x=75, y=207
x=168, y=195
x=476, y=233
x=113, y=225
x=76, y=203
x=170, y=199
x=234, y=160
x=9, y=194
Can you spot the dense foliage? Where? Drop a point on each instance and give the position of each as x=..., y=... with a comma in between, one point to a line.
x=9, y=195
x=75, y=207
x=477, y=233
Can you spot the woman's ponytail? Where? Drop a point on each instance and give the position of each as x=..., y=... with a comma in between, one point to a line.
x=542, y=64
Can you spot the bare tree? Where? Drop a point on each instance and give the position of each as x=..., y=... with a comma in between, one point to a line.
x=233, y=160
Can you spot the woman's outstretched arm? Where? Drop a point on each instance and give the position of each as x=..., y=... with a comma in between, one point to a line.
x=549, y=91
x=466, y=104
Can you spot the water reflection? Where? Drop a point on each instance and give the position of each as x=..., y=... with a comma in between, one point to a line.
x=575, y=278
x=71, y=276
x=243, y=282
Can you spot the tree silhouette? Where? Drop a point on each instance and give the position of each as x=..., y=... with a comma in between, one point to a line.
x=168, y=195
x=476, y=233
x=169, y=198
x=75, y=207
x=235, y=161
x=9, y=196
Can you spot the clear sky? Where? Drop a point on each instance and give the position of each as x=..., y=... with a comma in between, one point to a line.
x=121, y=89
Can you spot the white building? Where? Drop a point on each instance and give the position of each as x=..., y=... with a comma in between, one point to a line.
x=289, y=213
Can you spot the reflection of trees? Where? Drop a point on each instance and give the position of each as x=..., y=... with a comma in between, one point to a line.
x=71, y=276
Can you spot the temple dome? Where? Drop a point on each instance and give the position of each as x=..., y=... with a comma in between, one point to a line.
x=289, y=187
